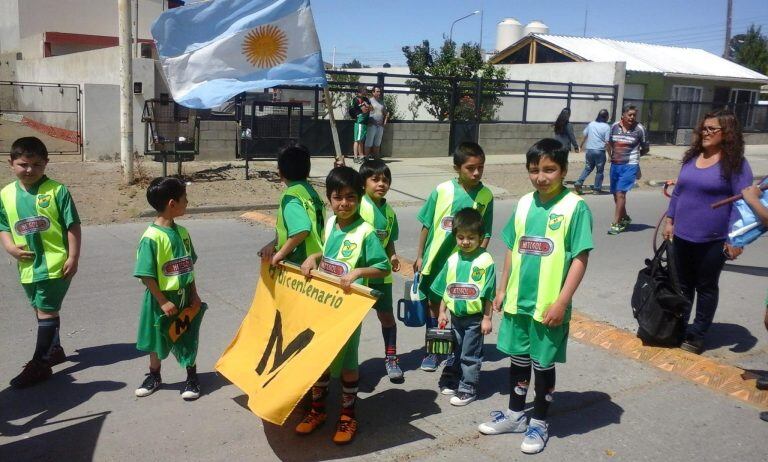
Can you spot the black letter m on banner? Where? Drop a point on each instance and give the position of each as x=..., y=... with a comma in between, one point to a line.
x=276, y=343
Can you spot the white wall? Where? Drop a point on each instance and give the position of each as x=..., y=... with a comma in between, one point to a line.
x=101, y=123
x=9, y=26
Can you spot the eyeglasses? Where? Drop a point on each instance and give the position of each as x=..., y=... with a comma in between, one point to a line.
x=710, y=130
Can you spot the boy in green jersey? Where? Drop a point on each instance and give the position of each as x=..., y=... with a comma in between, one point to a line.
x=548, y=237
x=301, y=216
x=40, y=228
x=375, y=210
x=436, y=243
x=353, y=252
x=466, y=286
x=165, y=264
x=359, y=110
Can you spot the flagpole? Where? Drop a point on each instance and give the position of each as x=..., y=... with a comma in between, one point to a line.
x=358, y=288
x=334, y=133
x=126, y=90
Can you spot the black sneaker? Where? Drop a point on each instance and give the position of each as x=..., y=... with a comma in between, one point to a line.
x=693, y=344
x=191, y=390
x=56, y=355
x=150, y=385
x=34, y=372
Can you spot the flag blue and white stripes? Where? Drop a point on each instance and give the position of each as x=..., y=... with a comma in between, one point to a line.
x=212, y=51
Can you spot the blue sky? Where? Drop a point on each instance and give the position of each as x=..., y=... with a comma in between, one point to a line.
x=375, y=31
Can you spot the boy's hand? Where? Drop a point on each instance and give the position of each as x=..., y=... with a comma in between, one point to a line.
x=498, y=301
x=486, y=327
x=267, y=252
x=19, y=253
x=169, y=308
x=346, y=281
x=394, y=260
x=442, y=319
x=554, y=315
x=751, y=193
x=417, y=265
x=70, y=268
x=307, y=267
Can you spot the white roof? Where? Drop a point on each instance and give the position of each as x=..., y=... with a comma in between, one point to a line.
x=644, y=57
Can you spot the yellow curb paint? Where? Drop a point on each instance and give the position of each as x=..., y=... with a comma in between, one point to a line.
x=259, y=217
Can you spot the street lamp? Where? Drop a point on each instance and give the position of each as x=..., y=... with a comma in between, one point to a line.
x=450, y=36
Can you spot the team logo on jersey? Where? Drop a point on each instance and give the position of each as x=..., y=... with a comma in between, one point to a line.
x=462, y=291
x=382, y=234
x=178, y=266
x=555, y=221
x=32, y=225
x=447, y=224
x=540, y=246
x=480, y=208
x=477, y=273
x=347, y=248
x=334, y=267
x=43, y=200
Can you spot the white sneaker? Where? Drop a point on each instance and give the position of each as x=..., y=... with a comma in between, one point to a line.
x=447, y=391
x=462, y=398
x=503, y=423
x=535, y=437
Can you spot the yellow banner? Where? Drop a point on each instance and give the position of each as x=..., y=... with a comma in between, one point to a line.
x=291, y=334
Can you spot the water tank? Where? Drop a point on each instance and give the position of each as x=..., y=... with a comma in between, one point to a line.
x=536, y=27
x=508, y=32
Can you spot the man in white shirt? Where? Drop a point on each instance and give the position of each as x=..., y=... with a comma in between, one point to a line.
x=378, y=118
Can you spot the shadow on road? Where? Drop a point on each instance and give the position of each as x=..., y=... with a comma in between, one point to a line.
x=745, y=269
x=101, y=355
x=577, y=413
x=723, y=334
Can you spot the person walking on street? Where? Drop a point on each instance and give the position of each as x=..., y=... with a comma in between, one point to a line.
x=596, y=136
x=627, y=142
x=564, y=131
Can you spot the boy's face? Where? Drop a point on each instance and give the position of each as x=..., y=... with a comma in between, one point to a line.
x=377, y=186
x=344, y=203
x=547, y=176
x=28, y=169
x=471, y=171
x=467, y=241
x=178, y=208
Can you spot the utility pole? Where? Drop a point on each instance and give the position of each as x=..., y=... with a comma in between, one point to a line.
x=727, y=49
x=586, y=15
x=126, y=89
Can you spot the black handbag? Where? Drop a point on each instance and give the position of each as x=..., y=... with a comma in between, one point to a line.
x=658, y=302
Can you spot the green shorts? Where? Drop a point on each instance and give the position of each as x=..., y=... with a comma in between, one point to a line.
x=384, y=303
x=47, y=295
x=520, y=334
x=425, y=287
x=361, y=131
x=346, y=359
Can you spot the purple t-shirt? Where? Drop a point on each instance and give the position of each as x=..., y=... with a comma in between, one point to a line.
x=696, y=189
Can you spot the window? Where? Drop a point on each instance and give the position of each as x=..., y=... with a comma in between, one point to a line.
x=688, y=106
x=742, y=102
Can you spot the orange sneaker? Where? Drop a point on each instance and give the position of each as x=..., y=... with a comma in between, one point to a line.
x=311, y=421
x=346, y=428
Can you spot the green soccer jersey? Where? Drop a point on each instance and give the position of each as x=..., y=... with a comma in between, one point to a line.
x=384, y=221
x=354, y=246
x=301, y=209
x=543, y=240
x=437, y=216
x=39, y=218
x=466, y=282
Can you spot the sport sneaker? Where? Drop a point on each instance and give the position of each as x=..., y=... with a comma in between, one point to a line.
x=429, y=363
x=56, y=355
x=693, y=344
x=625, y=221
x=34, y=371
x=394, y=372
x=311, y=421
x=577, y=189
x=447, y=391
x=150, y=385
x=346, y=428
x=616, y=228
x=462, y=398
x=535, y=437
x=503, y=423
x=191, y=390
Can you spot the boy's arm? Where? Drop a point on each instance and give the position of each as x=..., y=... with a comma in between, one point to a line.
x=290, y=244
x=16, y=251
x=442, y=318
x=74, y=238
x=166, y=305
x=420, y=249
x=554, y=315
x=394, y=260
x=310, y=264
x=486, y=326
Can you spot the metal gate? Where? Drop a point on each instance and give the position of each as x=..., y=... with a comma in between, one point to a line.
x=266, y=126
x=49, y=111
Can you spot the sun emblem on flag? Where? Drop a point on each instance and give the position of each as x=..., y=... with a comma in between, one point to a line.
x=265, y=46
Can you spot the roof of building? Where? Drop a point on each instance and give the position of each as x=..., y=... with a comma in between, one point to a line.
x=645, y=57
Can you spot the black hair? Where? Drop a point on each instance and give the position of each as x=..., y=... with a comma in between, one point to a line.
x=162, y=189
x=547, y=147
x=344, y=177
x=628, y=107
x=375, y=167
x=602, y=116
x=29, y=146
x=468, y=220
x=294, y=162
x=562, y=121
x=466, y=150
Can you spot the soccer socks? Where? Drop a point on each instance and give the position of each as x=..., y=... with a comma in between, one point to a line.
x=192, y=372
x=390, y=340
x=519, y=380
x=544, y=386
x=46, y=331
x=319, y=392
x=348, y=397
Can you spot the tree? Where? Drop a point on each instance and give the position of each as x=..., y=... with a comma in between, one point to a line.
x=354, y=64
x=751, y=49
x=457, y=79
x=344, y=88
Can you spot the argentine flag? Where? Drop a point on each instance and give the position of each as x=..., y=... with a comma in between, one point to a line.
x=214, y=50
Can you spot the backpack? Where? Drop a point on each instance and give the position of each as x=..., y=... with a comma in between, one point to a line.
x=658, y=302
x=354, y=108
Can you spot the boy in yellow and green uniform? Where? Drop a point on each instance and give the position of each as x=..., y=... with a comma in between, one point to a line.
x=375, y=210
x=40, y=228
x=301, y=216
x=548, y=238
x=165, y=262
x=353, y=252
x=436, y=243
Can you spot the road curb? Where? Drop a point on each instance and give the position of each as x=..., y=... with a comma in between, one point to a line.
x=214, y=209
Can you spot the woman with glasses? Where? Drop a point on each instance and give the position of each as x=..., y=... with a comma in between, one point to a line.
x=713, y=168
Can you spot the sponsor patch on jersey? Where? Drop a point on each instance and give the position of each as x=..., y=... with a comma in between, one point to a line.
x=477, y=273
x=555, y=220
x=463, y=291
x=43, y=200
x=178, y=266
x=382, y=234
x=446, y=224
x=540, y=246
x=32, y=225
x=334, y=267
